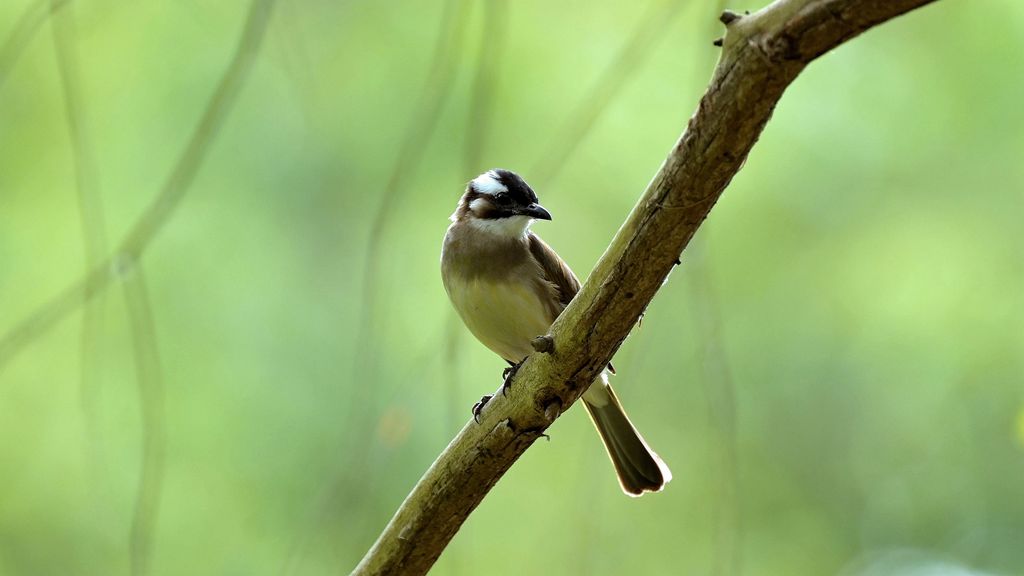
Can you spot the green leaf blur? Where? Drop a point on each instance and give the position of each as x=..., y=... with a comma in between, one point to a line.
x=835, y=373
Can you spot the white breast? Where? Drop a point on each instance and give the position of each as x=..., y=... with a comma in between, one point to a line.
x=504, y=316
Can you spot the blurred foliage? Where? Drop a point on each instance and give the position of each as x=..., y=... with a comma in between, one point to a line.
x=835, y=373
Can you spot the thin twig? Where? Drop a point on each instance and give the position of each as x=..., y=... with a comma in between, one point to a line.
x=163, y=206
x=151, y=399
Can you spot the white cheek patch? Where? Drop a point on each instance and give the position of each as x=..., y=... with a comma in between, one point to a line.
x=487, y=183
x=477, y=205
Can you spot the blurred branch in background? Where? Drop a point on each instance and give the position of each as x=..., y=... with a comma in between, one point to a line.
x=436, y=90
x=90, y=210
x=26, y=27
x=151, y=397
x=660, y=14
x=720, y=392
x=486, y=81
x=721, y=397
x=762, y=54
x=352, y=476
x=126, y=260
x=163, y=206
x=138, y=305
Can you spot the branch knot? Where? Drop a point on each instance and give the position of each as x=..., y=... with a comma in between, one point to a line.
x=544, y=344
x=728, y=17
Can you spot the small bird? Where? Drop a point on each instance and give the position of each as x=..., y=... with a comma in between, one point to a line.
x=509, y=286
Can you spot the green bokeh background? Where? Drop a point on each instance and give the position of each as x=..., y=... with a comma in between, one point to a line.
x=835, y=373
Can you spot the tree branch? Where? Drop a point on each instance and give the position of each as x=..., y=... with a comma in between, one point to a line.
x=762, y=54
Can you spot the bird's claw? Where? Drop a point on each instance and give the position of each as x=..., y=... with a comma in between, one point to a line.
x=479, y=406
x=508, y=375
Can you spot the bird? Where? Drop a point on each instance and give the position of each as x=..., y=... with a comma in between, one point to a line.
x=508, y=286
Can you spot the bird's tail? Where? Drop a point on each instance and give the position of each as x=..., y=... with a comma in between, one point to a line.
x=638, y=467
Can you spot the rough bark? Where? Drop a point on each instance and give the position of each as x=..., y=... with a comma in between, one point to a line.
x=762, y=53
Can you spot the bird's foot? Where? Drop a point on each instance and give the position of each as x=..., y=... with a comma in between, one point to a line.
x=508, y=375
x=479, y=406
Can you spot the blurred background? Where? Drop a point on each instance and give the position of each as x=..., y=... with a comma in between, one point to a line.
x=835, y=373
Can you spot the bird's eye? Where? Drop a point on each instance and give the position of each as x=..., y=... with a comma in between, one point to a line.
x=501, y=197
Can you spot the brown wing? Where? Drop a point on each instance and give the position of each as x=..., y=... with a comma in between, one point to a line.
x=557, y=272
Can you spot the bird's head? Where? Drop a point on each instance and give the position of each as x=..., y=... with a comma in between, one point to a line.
x=500, y=202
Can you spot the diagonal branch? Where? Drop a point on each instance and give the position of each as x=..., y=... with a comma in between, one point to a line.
x=762, y=54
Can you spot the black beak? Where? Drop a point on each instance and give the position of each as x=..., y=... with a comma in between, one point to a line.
x=535, y=211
